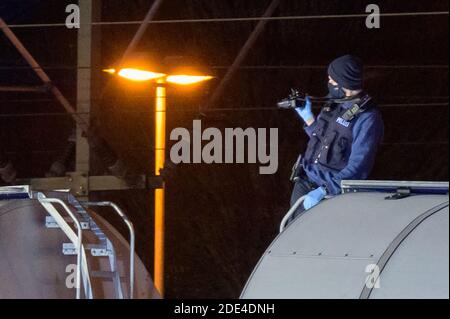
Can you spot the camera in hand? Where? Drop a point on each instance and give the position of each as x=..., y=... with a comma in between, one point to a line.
x=292, y=101
x=297, y=99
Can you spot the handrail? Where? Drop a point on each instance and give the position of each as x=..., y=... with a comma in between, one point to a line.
x=419, y=187
x=74, y=238
x=130, y=226
x=291, y=212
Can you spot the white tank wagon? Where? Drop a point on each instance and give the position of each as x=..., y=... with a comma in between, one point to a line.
x=377, y=240
x=39, y=245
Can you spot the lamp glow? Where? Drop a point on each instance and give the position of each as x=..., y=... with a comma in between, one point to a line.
x=187, y=79
x=110, y=71
x=139, y=75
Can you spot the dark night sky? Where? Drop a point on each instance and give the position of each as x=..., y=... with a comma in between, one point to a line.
x=220, y=218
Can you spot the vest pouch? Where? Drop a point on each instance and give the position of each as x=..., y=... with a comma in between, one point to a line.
x=336, y=152
x=316, y=140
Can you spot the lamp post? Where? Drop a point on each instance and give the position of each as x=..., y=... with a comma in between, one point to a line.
x=160, y=156
x=176, y=71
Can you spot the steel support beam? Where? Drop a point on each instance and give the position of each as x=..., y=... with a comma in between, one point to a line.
x=42, y=75
x=243, y=52
x=85, y=63
x=143, y=27
x=21, y=89
x=79, y=184
x=137, y=37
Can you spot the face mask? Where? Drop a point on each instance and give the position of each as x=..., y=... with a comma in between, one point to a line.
x=335, y=91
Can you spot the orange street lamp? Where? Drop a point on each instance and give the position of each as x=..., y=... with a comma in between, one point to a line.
x=187, y=79
x=139, y=75
x=173, y=70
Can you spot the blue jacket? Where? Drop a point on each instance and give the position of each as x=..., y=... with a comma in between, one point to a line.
x=366, y=133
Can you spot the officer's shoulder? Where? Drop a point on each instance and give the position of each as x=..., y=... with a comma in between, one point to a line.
x=372, y=114
x=372, y=109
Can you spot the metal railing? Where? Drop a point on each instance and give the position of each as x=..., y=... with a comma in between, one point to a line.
x=353, y=186
x=76, y=239
x=290, y=213
x=130, y=226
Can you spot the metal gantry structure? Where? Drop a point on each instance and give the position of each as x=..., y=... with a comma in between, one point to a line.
x=79, y=182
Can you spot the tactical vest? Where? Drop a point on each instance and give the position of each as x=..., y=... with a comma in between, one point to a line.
x=330, y=144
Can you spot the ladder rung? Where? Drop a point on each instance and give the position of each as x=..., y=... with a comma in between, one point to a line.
x=51, y=223
x=96, y=250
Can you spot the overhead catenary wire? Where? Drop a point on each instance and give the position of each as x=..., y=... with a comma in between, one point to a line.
x=146, y=98
x=220, y=109
x=238, y=19
x=276, y=67
x=241, y=19
x=249, y=67
x=242, y=55
x=150, y=147
x=255, y=19
x=272, y=109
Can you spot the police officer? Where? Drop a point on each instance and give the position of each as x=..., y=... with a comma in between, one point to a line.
x=344, y=137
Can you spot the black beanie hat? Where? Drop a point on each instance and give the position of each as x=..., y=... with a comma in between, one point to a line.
x=347, y=71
